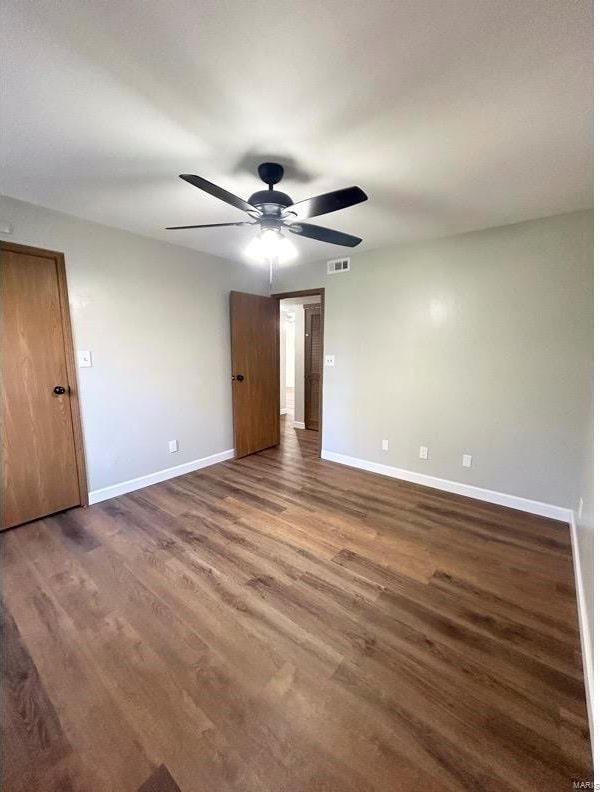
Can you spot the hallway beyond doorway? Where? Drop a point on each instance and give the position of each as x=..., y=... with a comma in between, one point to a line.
x=301, y=352
x=290, y=395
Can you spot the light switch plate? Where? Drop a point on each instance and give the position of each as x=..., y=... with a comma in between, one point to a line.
x=467, y=460
x=423, y=452
x=173, y=446
x=84, y=358
x=385, y=445
x=330, y=360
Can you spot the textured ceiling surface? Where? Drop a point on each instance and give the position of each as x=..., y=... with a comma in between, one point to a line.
x=451, y=114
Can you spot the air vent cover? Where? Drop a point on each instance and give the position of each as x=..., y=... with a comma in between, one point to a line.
x=338, y=265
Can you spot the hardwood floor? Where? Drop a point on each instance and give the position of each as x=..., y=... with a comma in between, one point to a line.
x=284, y=623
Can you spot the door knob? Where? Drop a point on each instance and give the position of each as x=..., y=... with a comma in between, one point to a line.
x=239, y=377
x=59, y=390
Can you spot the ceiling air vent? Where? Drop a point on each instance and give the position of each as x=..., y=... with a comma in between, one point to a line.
x=338, y=265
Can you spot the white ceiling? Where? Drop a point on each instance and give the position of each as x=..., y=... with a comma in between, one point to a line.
x=450, y=114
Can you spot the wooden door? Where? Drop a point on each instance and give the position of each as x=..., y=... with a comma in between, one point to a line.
x=313, y=365
x=42, y=458
x=254, y=372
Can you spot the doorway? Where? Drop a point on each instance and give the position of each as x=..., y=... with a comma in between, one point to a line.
x=301, y=349
x=43, y=468
x=265, y=401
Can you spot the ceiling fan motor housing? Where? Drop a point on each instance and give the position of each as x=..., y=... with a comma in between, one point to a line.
x=271, y=202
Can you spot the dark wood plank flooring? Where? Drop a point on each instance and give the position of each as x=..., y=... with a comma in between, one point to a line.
x=284, y=623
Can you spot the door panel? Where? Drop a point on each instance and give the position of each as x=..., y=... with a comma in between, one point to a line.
x=313, y=363
x=255, y=358
x=39, y=465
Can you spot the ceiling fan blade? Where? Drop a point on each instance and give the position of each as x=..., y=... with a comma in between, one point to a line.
x=207, y=225
x=324, y=234
x=217, y=192
x=328, y=202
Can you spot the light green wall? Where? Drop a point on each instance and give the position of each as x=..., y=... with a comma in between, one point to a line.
x=585, y=526
x=479, y=344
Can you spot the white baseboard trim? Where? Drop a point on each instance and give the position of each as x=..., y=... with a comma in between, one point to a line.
x=154, y=478
x=468, y=490
x=299, y=425
x=587, y=650
x=282, y=411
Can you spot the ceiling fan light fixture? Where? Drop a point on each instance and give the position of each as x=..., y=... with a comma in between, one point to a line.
x=271, y=245
x=272, y=208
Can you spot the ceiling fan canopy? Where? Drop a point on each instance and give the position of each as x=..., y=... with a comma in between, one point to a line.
x=274, y=211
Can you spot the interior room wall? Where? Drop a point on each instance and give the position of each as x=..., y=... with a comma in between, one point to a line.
x=287, y=363
x=282, y=363
x=155, y=317
x=476, y=344
x=290, y=353
x=584, y=527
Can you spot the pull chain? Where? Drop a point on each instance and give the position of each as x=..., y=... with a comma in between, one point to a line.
x=271, y=265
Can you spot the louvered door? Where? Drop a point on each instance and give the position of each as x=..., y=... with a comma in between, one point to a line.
x=313, y=365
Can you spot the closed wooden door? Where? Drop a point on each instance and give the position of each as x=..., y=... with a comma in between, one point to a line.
x=40, y=461
x=254, y=372
x=313, y=365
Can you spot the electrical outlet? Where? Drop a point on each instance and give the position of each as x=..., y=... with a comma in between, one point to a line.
x=467, y=460
x=385, y=445
x=330, y=360
x=173, y=446
x=423, y=452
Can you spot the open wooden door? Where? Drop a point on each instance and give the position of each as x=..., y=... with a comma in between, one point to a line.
x=313, y=362
x=254, y=372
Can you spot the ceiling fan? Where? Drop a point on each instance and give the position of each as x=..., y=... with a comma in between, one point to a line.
x=274, y=212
